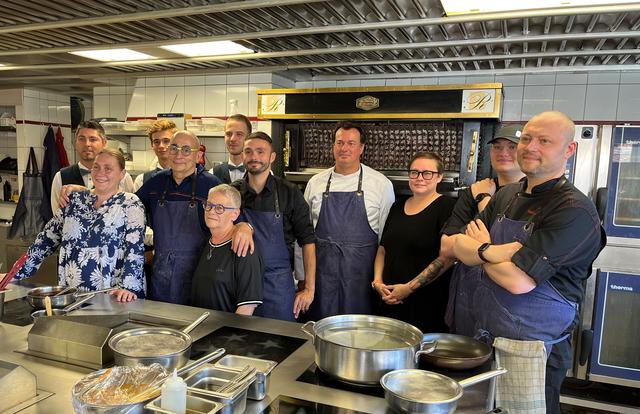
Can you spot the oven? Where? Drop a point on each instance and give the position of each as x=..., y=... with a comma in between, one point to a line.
x=608, y=341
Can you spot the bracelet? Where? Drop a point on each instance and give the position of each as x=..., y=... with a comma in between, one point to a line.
x=483, y=247
x=250, y=226
x=373, y=285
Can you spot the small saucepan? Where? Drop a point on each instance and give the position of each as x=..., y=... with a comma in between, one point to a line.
x=62, y=312
x=168, y=347
x=414, y=391
x=456, y=352
x=35, y=297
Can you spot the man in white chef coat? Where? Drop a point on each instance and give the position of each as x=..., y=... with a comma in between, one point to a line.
x=349, y=204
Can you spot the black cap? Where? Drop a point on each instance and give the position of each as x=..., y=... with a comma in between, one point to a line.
x=510, y=132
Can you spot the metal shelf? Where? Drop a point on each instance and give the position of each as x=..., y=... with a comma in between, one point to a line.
x=124, y=133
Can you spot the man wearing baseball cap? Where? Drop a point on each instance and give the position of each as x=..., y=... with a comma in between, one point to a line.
x=471, y=201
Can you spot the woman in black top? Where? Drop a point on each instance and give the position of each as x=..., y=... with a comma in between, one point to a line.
x=410, y=241
x=223, y=281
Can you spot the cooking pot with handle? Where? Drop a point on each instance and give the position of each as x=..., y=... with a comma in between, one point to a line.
x=362, y=348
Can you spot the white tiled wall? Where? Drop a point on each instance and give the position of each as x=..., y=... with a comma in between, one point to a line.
x=602, y=96
x=200, y=96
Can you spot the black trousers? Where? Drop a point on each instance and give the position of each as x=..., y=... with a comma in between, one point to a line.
x=558, y=363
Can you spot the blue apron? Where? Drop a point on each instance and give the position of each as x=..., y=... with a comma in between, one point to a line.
x=542, y=314
x=345, y=250
x=177, y=238
x=279, y=290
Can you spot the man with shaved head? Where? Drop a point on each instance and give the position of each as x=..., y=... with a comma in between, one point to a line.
x=174, y=201
x=536, y=241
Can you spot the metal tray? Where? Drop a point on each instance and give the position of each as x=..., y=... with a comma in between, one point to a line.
x=206, y=381
x=195, y=405
x=259, y=389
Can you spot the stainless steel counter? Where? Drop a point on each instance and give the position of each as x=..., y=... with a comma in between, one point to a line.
x=59, y=378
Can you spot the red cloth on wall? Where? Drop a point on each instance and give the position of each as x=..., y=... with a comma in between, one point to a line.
x=62, y=152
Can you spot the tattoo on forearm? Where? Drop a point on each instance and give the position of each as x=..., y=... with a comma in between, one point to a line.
x=429, y=274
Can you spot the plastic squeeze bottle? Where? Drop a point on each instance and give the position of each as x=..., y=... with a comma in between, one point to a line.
x=174, y=394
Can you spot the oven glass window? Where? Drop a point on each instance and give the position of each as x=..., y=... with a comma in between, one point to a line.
x=620, y=340
x=627, y=155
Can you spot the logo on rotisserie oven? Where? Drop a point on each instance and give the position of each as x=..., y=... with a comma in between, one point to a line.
x=367, y=103
x=619, y=287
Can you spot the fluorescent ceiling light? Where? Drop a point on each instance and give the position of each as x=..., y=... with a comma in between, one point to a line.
x=224, y=47
x=453, y=7
x=113, y=55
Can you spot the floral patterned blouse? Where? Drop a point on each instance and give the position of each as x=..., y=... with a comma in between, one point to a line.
x=99, y=248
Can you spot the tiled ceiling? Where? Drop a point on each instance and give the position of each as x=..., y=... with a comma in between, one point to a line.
x=306, y=39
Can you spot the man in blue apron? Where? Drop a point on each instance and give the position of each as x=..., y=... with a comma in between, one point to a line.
x=280, y=216
x=349, y=205
x=174, y=202
x=535, y=241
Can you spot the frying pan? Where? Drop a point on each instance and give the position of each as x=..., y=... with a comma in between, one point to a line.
x=168, y=347
x=414, y=391
x=457, y=352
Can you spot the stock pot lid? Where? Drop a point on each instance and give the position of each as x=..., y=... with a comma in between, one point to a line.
x=421, y=386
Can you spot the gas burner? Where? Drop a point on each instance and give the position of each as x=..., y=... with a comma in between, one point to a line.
x=290, y=405
x=248, y=343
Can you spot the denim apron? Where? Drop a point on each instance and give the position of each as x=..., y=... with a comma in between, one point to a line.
x=345, y=250
x=177, y=238
x=279, y=290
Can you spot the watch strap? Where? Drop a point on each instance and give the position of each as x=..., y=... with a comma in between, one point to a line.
x=483, y=247
x=482, y=196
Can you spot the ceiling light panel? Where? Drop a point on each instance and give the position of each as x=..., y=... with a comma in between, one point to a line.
x=225, y=47
x=113, y=55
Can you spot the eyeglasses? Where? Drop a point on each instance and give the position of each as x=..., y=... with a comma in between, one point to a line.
x=185, y=150
x=218, y=208
x=426, y=174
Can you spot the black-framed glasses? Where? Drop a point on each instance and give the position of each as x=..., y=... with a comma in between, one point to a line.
x=185, y=150
x=426, y=174
x=217, y=208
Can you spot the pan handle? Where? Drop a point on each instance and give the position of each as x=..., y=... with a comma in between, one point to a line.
x=309, y=331
x=199, y=362
x=78, y=302
x=481, y=377
x=426, y=347
x=195, y=323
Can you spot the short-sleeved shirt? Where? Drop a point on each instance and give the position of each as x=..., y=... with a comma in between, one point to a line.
x=294, y=210
x=151, y=191
x=465, y=210
x=223, y=281
x=566, y=237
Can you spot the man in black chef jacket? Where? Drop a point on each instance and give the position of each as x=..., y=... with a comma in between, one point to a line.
x=535, y=243
x=277, y=211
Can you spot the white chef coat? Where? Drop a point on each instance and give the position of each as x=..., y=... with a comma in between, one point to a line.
x=378, y=199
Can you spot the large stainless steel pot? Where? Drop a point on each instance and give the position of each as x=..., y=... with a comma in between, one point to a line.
x=168, y=347
x=82, y=407
x=414, y=391
x=362, y=348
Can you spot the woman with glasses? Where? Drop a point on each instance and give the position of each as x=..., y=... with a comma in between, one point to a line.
x=100, y=234
x=410, y=241
x=222, y=280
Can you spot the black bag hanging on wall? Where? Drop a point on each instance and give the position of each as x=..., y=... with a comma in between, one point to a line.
x=27, y=220
x=50, y=166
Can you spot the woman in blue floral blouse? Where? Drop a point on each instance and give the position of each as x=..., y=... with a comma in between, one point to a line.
x=100, y=234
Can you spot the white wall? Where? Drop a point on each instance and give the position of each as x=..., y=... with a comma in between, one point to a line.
x=199, y=96
x=590, y=97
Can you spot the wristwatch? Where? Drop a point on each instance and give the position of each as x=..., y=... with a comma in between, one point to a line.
x=481, y=197
x=483, y=247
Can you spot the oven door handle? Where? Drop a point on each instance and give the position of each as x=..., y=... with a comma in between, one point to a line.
x=586, y=344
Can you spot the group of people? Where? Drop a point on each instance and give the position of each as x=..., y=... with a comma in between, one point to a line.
x=507, y=260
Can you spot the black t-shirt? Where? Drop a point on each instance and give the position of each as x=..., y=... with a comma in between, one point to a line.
x=223, y=281
x=566, y=237
x=465, y=210
x=411, y=243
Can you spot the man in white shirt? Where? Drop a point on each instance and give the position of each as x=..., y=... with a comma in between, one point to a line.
x=236, y=129
x=349, y=204
x=160, y=135
x=90, y=140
